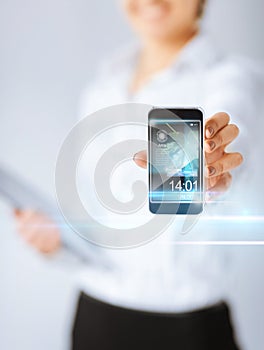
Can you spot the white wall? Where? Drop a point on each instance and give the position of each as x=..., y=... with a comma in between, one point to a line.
x=48, y=53
x=237, y=26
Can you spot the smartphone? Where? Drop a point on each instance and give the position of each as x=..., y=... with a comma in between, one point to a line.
x=176, y=160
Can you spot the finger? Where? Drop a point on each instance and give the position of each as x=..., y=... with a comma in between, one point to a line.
x=214, y=156
x=25, y=215
x=29, y=225
x=38, y=241
x=228, y=162
x=49, y=245
x=24, y=226
x=216, y=123
x=223, y=183
x=140, y=159
x=221, y=186
x=32, y=237
x=41, y=243
x=29, y=234
x=221, y=138
x=211, y=182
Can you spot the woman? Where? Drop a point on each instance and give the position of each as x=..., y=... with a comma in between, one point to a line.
x=145, y=305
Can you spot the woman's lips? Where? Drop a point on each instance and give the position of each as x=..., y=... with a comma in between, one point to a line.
x=153, y=13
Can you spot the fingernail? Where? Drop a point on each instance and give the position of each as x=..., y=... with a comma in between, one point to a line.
x=209, y=131
x=211, y=170
x=135, y=157
x=211, y=145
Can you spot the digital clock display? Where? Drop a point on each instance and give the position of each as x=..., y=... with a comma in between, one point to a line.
x=175, y=161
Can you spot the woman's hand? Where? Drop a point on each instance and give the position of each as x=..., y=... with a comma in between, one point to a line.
x=38, y=230
x=218, y=135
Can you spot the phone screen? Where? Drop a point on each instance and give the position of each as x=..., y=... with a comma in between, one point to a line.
x=175, y=162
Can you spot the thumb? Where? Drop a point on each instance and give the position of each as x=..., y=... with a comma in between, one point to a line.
x=140, y=159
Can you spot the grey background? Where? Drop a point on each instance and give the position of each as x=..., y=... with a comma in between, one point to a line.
x=49, y=50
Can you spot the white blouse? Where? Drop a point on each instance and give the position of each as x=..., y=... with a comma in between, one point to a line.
x=162, y=275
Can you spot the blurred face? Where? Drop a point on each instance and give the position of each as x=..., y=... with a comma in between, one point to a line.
x=162, y=19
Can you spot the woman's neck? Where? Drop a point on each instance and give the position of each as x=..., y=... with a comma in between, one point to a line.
x=156, y=56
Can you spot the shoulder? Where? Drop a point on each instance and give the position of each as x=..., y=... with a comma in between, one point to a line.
x=235, y=82
x=231, y=71
x=220, y=66
x=232, y=83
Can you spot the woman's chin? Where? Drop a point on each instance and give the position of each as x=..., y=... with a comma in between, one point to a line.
x=155, y=33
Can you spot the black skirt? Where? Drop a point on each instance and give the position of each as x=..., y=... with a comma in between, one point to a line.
x=102, y=326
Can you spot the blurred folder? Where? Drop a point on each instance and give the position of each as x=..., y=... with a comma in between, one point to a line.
x=22, y=195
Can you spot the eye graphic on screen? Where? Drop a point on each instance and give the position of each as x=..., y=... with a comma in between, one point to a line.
x=162, y=136
x=176, y=161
